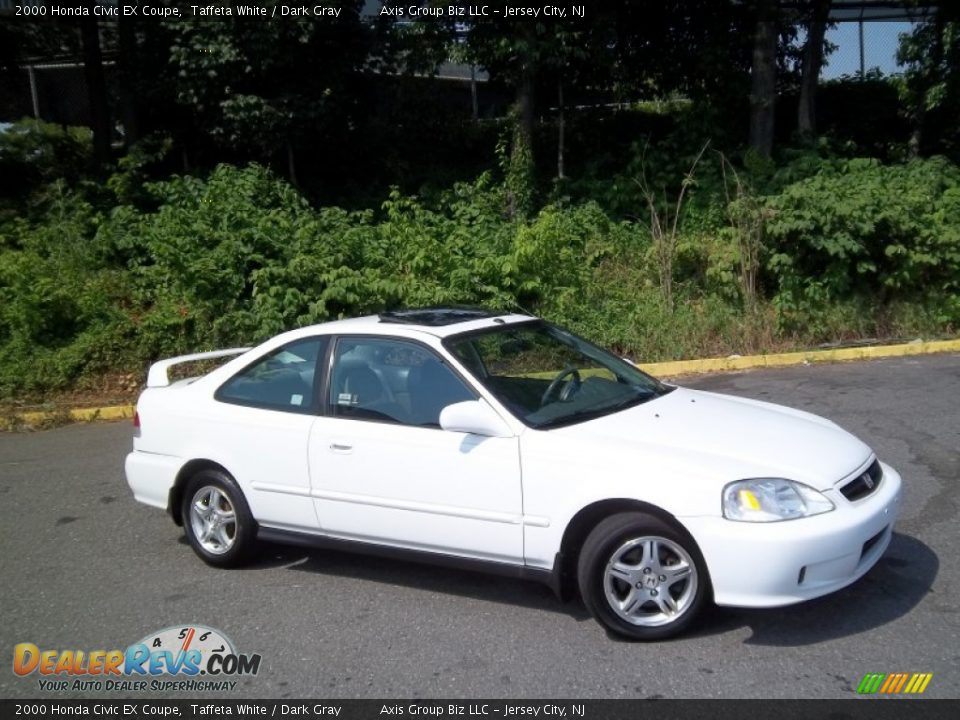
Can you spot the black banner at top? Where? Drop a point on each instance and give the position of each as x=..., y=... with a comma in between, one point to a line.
x=448, y=10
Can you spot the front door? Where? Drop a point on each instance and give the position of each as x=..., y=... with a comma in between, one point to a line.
x=382, y=470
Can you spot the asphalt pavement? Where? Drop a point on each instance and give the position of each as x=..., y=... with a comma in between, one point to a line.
x=86, y=567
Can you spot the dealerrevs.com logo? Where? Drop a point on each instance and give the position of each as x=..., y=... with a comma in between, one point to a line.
x=187, y=658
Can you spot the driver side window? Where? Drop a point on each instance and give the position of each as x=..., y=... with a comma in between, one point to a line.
x=391, y=381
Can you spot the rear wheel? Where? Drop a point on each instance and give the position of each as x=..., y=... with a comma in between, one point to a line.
x=217, y=520
x=642, y=577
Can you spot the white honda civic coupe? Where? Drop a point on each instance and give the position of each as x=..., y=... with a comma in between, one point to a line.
x=506, y=444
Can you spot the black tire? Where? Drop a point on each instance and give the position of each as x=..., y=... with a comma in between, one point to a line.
x=230, y=544
x=645, y=612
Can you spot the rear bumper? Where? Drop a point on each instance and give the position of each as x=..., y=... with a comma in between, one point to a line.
x=780, y=563
x=151, y=477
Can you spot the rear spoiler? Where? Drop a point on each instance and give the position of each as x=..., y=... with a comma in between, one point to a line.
x=158, y=376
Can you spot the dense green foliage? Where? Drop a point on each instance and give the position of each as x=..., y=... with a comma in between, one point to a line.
x=861, y=229
x=98, y=278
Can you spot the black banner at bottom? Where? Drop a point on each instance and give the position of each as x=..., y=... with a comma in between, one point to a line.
x=854, y=709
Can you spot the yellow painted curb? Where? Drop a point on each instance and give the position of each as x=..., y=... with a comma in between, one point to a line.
x=660, y=369
x=114, y=412
x=744, y=362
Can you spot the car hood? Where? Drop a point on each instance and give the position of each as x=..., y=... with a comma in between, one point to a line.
x=729, y=437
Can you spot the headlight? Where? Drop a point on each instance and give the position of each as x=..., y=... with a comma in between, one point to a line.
x=771, y=499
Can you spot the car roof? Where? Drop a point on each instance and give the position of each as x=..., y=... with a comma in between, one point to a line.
x=438, y=322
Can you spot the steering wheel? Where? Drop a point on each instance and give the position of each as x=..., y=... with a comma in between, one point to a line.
x=568, y=390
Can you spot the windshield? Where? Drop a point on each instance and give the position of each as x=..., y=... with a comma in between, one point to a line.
x=549, y=377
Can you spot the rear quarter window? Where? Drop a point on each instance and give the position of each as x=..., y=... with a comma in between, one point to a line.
x=286, y=379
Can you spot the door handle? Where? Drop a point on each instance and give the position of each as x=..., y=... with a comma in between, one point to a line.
x=339, y=447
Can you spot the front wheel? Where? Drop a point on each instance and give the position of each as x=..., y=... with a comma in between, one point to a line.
x=216, y=519
x=641, y=577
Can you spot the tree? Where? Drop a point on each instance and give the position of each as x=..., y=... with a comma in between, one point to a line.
x=514, y=51
x=262, y=88
x=700, y=48
x=628, y=51
x=763, y=87
x=930, y=88
x=129, y=62
x=812, y=61
x=96, y=89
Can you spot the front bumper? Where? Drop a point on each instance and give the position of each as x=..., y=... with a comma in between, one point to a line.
x=780, y=563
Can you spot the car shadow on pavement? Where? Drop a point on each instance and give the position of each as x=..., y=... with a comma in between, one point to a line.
x=894, y=586
x=419, y=576
x=900, y=580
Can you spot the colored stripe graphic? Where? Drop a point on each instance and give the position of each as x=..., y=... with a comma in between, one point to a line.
x=889, y=682
x=927, y=677
x=898, y=685
x=870, y=683
x=894, y=683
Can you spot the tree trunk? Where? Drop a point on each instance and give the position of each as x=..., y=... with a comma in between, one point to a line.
x=812, y=62
x=520, y=176
x=474, y=104
x=764, y=78
x=561, y=131
x=96, y=89
x=292, y=166
x=524, y=101
x=128, y=72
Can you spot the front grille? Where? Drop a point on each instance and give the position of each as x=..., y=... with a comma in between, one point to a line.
x=864, y=484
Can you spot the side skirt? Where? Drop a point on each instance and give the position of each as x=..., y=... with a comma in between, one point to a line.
x=550, y=578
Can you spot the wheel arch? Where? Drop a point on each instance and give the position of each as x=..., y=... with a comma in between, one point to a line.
x=191, y=468
x=586, y=519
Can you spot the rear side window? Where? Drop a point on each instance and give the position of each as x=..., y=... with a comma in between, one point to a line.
x=284, y=380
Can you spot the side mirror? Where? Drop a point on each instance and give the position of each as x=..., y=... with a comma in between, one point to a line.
x=475, y=417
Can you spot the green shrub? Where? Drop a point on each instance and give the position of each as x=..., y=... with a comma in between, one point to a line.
x=60, y=305
x=870, y=231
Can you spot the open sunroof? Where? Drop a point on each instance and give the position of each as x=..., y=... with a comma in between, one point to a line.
x=435, y=316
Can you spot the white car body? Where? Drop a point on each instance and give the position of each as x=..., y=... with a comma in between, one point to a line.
x=508, y=499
